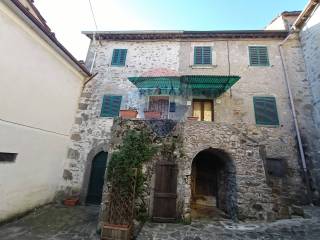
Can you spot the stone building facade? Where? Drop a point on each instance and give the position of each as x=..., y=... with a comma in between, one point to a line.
x=252, y=148
x=247, y=190
x=261, y=167
x=308, y=28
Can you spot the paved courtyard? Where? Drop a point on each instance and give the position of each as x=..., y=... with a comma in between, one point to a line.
x=296, y=228
x=55, y=222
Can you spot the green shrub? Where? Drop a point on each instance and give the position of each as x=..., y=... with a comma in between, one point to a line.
x=136, y=149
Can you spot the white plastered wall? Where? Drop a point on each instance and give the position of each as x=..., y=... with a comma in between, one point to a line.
x=39, y=93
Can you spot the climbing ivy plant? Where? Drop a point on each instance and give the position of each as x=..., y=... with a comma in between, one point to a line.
x=135, y=150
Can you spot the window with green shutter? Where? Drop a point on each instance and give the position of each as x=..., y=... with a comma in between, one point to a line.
x=119, y=57
x=265, y=109
x=202, y=55
x=110, y=106
x=258, y=56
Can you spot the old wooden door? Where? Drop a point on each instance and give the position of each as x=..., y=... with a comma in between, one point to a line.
x=165, y=193
x=98, y=169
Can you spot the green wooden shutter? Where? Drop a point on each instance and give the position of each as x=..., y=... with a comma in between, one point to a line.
x=110, y=106
x=197, y=55
x=122, y=57
x=206, y=55
x=202, y=55
x=265, y=109
x=258, y=56
x=119, y=57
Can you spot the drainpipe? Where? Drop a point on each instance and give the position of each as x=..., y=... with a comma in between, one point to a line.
x=296, y=125
x=93, y=61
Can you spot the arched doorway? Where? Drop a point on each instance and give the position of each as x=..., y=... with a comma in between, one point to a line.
x=213, y=185
x=98, y=168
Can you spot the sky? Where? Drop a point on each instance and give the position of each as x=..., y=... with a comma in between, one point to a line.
x=67, y=18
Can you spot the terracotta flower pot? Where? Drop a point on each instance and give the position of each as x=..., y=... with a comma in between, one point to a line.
x=193, y=118
x=127, y=114
x=152, y=115
x=71, y=202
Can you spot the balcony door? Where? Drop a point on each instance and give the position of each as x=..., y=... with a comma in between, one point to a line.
x=203, y=109
x=159, y=104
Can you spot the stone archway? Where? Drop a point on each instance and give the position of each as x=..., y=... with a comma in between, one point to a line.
x=95, y=187
x=88, y=167
x=213, y=185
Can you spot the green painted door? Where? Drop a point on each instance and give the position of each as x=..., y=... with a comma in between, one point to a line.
x=98, y=169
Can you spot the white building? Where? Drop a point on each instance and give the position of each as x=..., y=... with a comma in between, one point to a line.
x=40, y=86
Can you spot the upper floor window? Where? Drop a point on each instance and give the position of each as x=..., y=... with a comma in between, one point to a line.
x=203, y=55
x=203, y=109
x=119, y=57
x=265, y=109
x=110, y=106
x=258, y=56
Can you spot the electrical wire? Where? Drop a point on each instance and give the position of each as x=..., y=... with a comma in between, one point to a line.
x=93, y=16
x=94, y=35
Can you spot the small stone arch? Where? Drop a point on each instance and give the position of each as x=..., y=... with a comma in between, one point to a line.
x=213, y=182
x=102, y=147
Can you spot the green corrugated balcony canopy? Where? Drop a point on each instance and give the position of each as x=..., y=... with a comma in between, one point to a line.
x=197, y=84
x=207, y=84
x=157, y=85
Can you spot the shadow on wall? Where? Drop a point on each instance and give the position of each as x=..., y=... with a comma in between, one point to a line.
x=310, y=40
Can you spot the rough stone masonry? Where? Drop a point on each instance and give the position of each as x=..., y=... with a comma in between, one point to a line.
x=253, y=149
x=250, y=192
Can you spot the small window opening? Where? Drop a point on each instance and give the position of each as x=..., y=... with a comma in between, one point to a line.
x=8, y=157
x=275, y=167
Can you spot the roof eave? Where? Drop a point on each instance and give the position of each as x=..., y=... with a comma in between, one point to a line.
x=158, y=35
x=305, y=14
x=47, y=36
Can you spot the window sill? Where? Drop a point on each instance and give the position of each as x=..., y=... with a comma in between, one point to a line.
x=118, y=66
x=103, y=117
x=268, y=126
x=204, y=66
x=259, y=66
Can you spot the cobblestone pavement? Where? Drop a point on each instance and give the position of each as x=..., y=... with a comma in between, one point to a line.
x=295, y=228
x=54, y=222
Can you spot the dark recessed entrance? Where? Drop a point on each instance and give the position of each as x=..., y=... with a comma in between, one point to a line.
x=96, y=182
x=213, y=185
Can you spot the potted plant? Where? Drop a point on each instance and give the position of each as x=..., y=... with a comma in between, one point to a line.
x=128, y=113
x=193, y=118
x=152, y=114
x=71, y=201
x=113, y=231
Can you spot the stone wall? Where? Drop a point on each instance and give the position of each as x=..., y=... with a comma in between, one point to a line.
x=303, y=101
x=247, y=146
x=243, y=143
x=310, y=41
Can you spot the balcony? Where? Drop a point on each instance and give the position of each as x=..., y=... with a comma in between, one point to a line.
x=181, y=97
